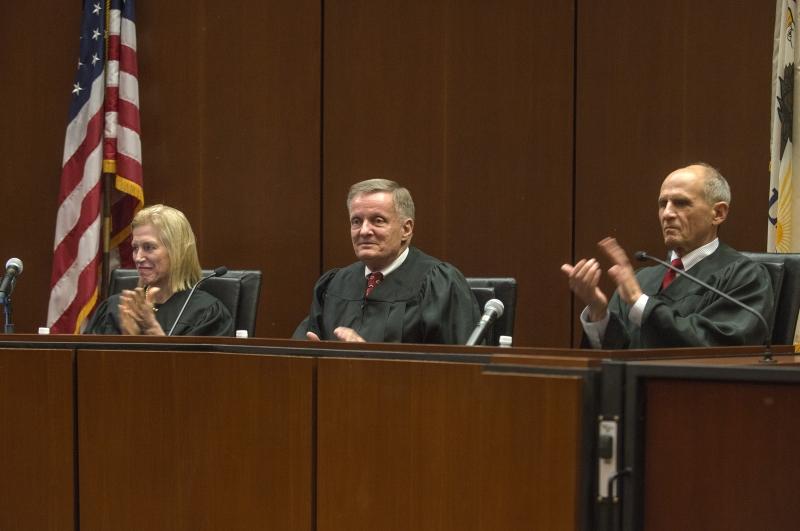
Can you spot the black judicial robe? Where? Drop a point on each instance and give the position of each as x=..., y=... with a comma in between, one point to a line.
x=424, y=300
x=205, y=315
x=688, y=315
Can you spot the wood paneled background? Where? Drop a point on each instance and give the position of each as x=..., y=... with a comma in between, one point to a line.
x=525, y=130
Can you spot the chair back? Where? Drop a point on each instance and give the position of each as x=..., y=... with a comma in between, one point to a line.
x=504, y=289
x=238, y=290
x=784, y=271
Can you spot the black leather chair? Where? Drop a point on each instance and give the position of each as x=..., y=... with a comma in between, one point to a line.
x=784, y=271
x=238, y=290
x=504, y=289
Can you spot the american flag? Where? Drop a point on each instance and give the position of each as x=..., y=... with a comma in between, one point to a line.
x=102, y=135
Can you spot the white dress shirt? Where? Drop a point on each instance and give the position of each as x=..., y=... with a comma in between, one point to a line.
x=391, y=267
x=596, y=330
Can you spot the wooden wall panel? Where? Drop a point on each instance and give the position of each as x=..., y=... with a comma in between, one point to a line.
x=444, y=446
x=384, y=111
x=720, y=455
x=194, y=441
x=470, y=106
x=661, y=85
x=37, y=450
x=230, y=119
x=38, y=58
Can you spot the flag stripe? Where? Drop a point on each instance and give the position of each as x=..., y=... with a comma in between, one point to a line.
x=114, y=20
x=66, y=252
x=128, y=32
x=112, y=74
x=69, y=211
x=113, y=47
x=75, y=167
x=129, y=88
x=129, y=115
x=73, y=290
x=82, y=298
x=127, y=56
x=128, y=145
x=77, y=128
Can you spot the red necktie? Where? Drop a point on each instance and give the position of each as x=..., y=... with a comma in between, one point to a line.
x=372, y=281
x=670, y=275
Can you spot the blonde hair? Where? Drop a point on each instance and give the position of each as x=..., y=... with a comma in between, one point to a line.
x=176, y=235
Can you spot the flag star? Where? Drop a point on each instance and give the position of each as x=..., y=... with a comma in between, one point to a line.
x=80, y=64
x=96, y=10
x=76, y=89
x=94, y=59
x=96, y=34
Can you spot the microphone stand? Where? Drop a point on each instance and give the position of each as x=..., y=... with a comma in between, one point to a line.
x=642, y=256
x=218, y=272
x=9, y=325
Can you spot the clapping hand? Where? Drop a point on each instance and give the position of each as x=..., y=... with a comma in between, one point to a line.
x=137, y=312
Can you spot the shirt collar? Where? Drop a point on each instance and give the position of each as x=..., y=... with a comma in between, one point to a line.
x=394, y=265
x=693, y=258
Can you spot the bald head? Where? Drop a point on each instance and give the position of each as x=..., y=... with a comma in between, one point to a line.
x=715, y=186
x=692, y=204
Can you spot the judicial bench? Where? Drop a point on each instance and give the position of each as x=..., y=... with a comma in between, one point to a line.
x=114, y=433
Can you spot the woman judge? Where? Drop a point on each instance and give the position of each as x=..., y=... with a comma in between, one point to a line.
x=165, y=254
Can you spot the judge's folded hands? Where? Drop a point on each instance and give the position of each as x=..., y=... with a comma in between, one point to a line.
x=584, y=279
x=342, y=333
x=137, y=312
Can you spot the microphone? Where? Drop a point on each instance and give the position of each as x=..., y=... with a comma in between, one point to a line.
x=643, y=256
x=13, y=270
x=218, y=272
x=492, y=310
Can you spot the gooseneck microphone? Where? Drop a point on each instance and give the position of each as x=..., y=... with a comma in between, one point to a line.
x=13, y=270
x=643, y=256
x=218, y=272
x=492, y=310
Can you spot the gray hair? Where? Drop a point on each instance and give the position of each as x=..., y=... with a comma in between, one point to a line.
x=403, y=204
x=715, y=187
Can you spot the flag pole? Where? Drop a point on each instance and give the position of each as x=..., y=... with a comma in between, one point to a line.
x=108, y=178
